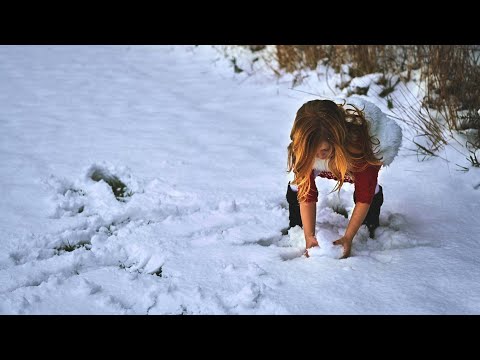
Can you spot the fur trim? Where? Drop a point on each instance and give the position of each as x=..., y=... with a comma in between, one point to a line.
x=382, y=127
x=320, y=165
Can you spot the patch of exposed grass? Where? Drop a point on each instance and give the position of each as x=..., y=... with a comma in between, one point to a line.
x=158, y=272
x=68, y=247
x=341, y=210
x=359, y=90
x=120, y=190
x=390, y=103
x=386, y=91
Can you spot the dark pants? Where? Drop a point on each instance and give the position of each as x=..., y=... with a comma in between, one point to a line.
x=372, y=220
x=293, y=208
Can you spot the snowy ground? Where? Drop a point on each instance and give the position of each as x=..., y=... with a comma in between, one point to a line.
x=203, y=154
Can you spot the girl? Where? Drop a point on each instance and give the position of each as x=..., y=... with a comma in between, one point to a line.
x=347, y=143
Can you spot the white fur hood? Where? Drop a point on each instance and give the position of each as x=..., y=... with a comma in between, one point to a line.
x=383, y=128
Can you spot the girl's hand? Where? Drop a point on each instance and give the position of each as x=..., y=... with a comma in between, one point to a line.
x=347, y=246
x=310, y=241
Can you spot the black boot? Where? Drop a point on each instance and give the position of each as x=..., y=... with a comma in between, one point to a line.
x=372, y=220
x=293, y=208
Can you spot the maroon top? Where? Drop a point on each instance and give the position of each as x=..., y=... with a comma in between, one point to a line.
x=365, y=183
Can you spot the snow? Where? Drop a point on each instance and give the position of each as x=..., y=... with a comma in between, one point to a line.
x=202, y=153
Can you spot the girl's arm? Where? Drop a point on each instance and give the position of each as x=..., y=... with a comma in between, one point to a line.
x=359, y=213
x=308, y=212
x=365, y=183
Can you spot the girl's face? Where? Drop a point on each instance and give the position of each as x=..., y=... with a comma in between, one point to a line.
x=324, y=150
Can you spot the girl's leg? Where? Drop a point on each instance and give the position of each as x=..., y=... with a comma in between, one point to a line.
x=293, y=207
x=372, y=220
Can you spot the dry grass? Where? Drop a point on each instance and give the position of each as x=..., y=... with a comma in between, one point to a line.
x=451, y=74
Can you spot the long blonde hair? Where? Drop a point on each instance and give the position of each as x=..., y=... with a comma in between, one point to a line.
x=344, y=129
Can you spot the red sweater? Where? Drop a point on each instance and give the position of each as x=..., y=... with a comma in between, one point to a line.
x=364, y=181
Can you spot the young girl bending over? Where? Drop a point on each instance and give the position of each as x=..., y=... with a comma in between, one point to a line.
x=347, y=143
